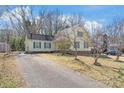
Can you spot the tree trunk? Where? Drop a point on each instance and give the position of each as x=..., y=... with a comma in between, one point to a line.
x=118, y=55
x=63, y=53
x=95, y=61
x=117, y=58
x=76, y=54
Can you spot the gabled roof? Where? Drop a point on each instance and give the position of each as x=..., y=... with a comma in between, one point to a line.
x=70, y=32
x=50, y=38
x=40, y=37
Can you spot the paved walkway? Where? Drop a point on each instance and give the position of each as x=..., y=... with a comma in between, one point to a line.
x=41, y=73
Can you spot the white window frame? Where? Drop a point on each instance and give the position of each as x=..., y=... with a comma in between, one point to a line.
x=36, y=44
x=47, y=45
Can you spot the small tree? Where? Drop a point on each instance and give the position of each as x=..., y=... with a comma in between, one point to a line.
x=97, y=43
x=12, y=44
x=105, y=43
x=76, y=22
x=115, y=33
x=97, y=48
x=16, y=43
x=63, y=45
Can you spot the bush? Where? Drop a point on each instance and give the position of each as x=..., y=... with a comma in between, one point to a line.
x=63, y=45
x=17, y=44
x=123, y=50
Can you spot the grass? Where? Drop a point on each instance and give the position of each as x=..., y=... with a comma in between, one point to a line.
x=104, y=56
x=111, y=73
x=9, y=75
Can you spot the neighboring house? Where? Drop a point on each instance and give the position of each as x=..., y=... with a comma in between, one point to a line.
x=4, y=47
x=45, y=43
x=116, y=47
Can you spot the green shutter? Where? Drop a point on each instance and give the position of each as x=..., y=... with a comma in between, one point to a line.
x=44, y=45
x=33, y=44
x=39, y=44
x=86, y=45
x=49, y=45
x=78, y=44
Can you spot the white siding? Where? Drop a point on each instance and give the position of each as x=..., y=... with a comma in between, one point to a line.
x=29, y=43
x=81, y=47
x=72, y=32
x=29, y=46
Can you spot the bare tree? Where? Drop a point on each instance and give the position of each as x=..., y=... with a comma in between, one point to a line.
x=75, y=22
x=40, y=21
x=21, y=20
x=47, y=22
x=97, y=38
x=50, y=22
x=5, y=32
x=59, y=21
x=115, y=33
x=69, y=36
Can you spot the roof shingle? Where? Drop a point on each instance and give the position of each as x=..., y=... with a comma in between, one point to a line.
x=40, y=37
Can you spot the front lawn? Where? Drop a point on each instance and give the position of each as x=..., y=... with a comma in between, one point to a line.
x=9, y=74
x=111, y=73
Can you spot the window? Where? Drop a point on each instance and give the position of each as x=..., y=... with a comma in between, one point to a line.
x=36, y=44
x=76, y=44
x=47, y=45
x=86, y=45
x=80, y=34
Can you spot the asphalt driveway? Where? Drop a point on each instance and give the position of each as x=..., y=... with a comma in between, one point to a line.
x=41, y=73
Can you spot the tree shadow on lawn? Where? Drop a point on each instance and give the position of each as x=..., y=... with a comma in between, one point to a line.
x=102, y=70
x=106, y=57
x=80, y=62
x=119, y=61
x=97, y=65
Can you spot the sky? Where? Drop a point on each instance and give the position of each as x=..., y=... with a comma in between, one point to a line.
x=99, y=14
x=103, y=14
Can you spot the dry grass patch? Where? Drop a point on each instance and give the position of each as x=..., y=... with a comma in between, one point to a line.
x=114, y=58
x=111, y=73
x=9, y=75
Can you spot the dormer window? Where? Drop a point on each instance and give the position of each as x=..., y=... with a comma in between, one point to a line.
x=80, y=34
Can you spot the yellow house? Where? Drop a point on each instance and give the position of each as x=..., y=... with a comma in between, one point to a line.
x=45, y=43
x=78, y=37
